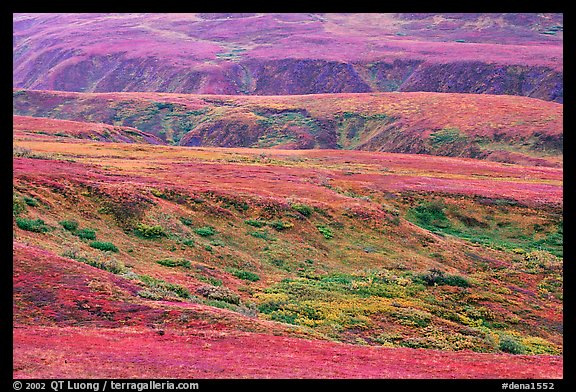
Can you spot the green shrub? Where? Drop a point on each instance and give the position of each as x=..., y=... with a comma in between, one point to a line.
x=326, y=232
x=114, y=266
x=255, y=223
x=70, y=225
x=431, y=215
x=536, y=346
x=180, y=291
x=245, y=275
x=303, y=209
x=455, y=280
x=186, y=221
x=145, y=231
x=284, y=316
x=265, y=235
x=174, y=263
x=150, y=295
x=158, y=193
x=510, y=345
x=188, y=242
x=447, y=136
x=270, y=306
x=32, y=202
x=205, y=231
x=278, y=262
x=104, y=246
x=73, y=253
x=217, y=243
x=18, y=206
x=438, y=277
x=163, y=286
x=219, y=293
x=86, y=234
x=279, y=225
x=211, y=280
x=259, y=234
x=34, y=225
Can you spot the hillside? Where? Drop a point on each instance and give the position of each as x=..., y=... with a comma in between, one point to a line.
x=362, y=248
x=499, y=128
x=278, y=54
x=22, y=125
x=288, y=195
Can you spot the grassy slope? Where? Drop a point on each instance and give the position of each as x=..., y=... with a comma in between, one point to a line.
x=353, y=267
x=500, y=128
x=187, y=39
x=23, y=125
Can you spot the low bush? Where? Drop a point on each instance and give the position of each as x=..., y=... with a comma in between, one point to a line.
x=186, y=221
x=219, y=293
x=158, y=193
x=455, y=280
x=255, y=223
x=70, y=225
x=188, y=242
x=326, y=232
x=86, y=234
x=284, y=316
x=34, y=225
x=245, y=275
x=447, y=136
x=104, y=246
x=180, y=291
x=438, y=277
x=205, y=231
x=175, y=263
x=18, y=206
x=265, y=235
x=510, y=345
x=32, y=202
x=111, y=265
x=114, y=266
x=164, y=288
x=303, y=209
x=211, y=280
x=431, y=215
x=153, y=295
x=148, y=232
x=279, y=225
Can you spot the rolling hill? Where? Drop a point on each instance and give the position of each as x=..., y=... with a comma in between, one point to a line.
x=23, y=125
x=500, y=128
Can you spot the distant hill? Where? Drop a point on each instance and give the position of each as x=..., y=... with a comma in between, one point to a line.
x=81, y=130
x=508, y=129
x=277, y=54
